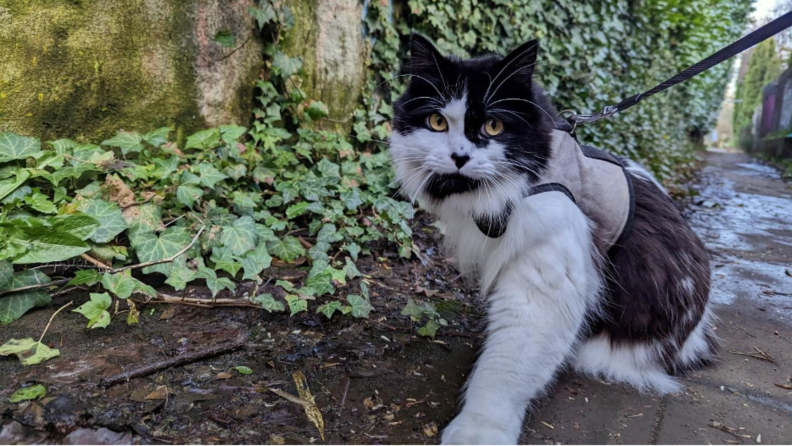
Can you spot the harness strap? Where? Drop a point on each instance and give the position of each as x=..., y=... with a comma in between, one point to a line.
x=762, y=33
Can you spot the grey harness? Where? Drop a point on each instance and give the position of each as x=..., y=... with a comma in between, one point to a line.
x=594, y=180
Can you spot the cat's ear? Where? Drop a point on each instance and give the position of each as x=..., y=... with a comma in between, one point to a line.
x=424, y=57
x=523, y=59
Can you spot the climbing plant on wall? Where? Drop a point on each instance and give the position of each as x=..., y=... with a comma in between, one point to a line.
x=594, y=53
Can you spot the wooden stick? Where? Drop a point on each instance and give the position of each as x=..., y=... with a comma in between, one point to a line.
x=51, y=318
x=166, y=260
x=93, y=261
x=177, y=361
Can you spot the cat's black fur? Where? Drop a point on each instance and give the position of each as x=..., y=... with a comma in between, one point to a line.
x=643, y=301
x=529, y=127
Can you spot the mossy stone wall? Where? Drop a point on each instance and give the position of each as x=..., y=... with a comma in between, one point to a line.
x=85, y=68
x=328, y=37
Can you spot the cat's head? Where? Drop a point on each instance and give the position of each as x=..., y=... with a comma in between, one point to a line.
x=476, y=129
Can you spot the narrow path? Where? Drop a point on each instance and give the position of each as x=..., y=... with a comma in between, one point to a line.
x=743, y=212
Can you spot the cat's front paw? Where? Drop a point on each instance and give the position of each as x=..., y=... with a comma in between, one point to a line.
x=475, y=429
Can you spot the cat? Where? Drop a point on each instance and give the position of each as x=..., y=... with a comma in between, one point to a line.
x=472, y=141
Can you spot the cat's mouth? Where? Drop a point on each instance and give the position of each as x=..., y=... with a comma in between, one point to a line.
x=442, y=185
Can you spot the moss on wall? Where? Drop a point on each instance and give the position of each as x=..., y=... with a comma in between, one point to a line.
x=327, y=36
x=84, y=69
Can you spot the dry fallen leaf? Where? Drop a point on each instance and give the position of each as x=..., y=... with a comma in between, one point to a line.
x=277, y=439
x=312, y=411
x=160, y=393
x=305, y=399
x=430, y=430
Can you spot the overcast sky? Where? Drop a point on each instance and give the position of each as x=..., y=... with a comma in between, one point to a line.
x=764, y=8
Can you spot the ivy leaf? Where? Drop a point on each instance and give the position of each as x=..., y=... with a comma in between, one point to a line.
x=225, y=260
x=124, y=285
x=243, y=370
x=286, y=66
x=296, y=304
x=430, y=329
x=210, y=175
x=286, y=249
x=351, y=270
x=255, y=262
x=231, y=133
x=95, y=310
x=41, y=203
x=225, y=38
x=328, y=169
x=146, y=217
x=263, y=15
x=360, y=306
x=15, y=147
x=126, y=141
x=204, y=140
x=319, y=284
x=34, y=392
x=79, y=225
x=240, y=237
x=353, y=249
x=351, y=199
x=297, y=209
x=149, y=247
x=214, y=283
x=13, y=306
x=329, y=308
x=180, y=276
x=111, y=220
x=268, y=303
x=188, y=195
x=121, y=284
x=328, y=234
x=11, y=184
x=157, y=137
x=28, y=351
x=317, y=110
x=285, y=284
x=43, y=245
x=86, y=277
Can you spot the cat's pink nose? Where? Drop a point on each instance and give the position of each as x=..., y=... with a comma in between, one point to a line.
x=460, y=160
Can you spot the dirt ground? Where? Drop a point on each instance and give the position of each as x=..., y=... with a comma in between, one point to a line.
x=377, y=382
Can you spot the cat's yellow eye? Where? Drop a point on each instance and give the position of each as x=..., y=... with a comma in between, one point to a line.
x=493, y=127
x=437, y=122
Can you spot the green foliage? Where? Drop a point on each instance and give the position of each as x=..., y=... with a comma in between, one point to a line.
x=28, y=351
x=593, y=53
x=425, y=310
x=95, y=310
x=34, y=392
x=764, y=66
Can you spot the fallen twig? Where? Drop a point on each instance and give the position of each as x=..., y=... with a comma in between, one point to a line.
x=94, y=262
x=758, y=355
x=51, y=318
x=166, y=260
x=177, y=361
x=169, y=299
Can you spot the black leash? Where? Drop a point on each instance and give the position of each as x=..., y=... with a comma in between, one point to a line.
x=764, y=32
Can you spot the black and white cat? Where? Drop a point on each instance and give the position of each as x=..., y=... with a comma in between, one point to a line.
x=472, y=141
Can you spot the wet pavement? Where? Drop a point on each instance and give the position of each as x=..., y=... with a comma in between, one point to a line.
x=377, y=382
x=743, y=212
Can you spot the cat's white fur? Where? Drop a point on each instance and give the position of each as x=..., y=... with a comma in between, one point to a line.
x=540, y=280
